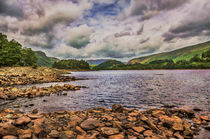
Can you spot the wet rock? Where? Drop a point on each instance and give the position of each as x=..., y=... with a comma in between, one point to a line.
x=109, y=131
x=16, y=106
x=80, y=131
x=24, y=134
x=117, y=108
x=35, y=111
x=9, y=137
x=119, y=136
x=67, y=135
x=205, y=118
x=148, y=133
x=22, y=120
x=34, y=116
x=45, y=100
x=138, y=129
x=178, y=124
x=7, y=129
x=177, y=134
x=37, y=129
x=90, y=124
x=54, y=134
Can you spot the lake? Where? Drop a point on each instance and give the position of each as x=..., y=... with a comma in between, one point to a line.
x=142, y=89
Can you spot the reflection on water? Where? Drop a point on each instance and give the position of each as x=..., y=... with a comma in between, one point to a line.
x=133, y=89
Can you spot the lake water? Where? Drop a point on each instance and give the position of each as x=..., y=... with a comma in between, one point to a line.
x=140, y=89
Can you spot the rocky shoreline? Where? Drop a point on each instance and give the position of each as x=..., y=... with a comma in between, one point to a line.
x=115, y=123
x=10, y=76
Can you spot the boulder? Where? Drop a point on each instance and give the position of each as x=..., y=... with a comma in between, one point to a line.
x=7, y=129
x=54, y=134
x=118, y=136
x=9, y=137
x=117, y=108
x=109, y=131
x=24, y=134
x=90, y=124
x=67, y=135
x=22, y=120
x=138, y=129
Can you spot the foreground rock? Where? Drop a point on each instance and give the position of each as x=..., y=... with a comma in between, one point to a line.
x=115, y=123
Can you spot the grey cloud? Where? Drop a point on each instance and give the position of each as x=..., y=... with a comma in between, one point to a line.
x=189, y=29
x=149, y=8
x=12, y=9
x=139, y=32
x=144, y=40
x=79, y=42
x=121, y=34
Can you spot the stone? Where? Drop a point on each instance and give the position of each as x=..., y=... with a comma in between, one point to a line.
x=67, y=135
x=138, y=129
x=35, y=111
x=9, y=137
x=119, y=136
x=117, y=108
x=178, y=124
x=24, y=134
x=7, y=129
x=90, y=124
x=148, y=133
x=157, y=113
x=16, y=106
x=109, y=131
x=80, y=131
x=34, y=116
x=39, y=121
x=54, y=134
x=76, y=119
x=206, y=118
x=177, y=134
x=22, y=120
x=37, y=129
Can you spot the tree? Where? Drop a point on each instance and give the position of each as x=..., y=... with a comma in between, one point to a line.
x=28, y=57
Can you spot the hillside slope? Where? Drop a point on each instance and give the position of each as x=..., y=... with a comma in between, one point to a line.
x=185, y=53
x=44, y=60
x=111, y=64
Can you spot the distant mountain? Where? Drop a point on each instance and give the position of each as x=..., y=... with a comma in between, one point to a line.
x=185, y=53
x=44, y=60
x=111, y=64
x=97, y=62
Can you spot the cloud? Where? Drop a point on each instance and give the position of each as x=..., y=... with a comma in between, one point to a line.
x=65, y=12
x=78, y=37
x=11, y=8
x=120, y=29
x=195, y=23
x=149, y=8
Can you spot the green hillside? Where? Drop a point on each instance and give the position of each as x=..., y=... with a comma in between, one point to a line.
x=111, y=64
x=43, y=60
x=177, y=55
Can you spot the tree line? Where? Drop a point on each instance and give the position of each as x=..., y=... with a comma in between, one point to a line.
x=13, y=54
x=71, y=64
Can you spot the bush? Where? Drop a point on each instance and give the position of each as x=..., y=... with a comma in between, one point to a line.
x=34, y=66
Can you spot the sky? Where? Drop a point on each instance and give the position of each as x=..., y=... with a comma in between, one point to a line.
x=98, y=29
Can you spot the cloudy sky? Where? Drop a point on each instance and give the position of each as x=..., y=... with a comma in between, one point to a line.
x=119, y=29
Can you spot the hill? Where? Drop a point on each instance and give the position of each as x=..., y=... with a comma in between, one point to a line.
x=111, y=64
x=44, y=60
x=185, y=54
x=97, y=61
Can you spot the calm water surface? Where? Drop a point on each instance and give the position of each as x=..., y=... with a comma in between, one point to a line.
x=132, y=89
